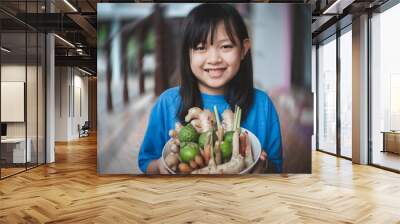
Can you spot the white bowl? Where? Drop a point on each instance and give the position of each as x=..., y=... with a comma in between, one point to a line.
x=255, y=146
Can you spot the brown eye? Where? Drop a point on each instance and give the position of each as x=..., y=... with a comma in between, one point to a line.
x=228, y=46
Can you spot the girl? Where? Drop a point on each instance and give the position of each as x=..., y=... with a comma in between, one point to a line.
x=216, y=69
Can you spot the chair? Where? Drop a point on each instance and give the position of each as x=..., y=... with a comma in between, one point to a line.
x=84, y=130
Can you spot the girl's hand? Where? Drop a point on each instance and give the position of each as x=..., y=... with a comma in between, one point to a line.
x=261, y=165
x=161, y=167
x=156, y=167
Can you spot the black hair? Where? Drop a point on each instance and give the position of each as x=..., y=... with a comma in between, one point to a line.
x=201, y=21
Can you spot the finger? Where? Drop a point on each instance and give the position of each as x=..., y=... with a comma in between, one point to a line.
x=263, y=155
x=162, y=168
x=164, y=171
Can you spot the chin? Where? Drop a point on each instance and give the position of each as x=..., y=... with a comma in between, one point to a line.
x=216, y=84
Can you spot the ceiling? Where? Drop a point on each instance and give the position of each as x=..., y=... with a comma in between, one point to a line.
x=76, y=23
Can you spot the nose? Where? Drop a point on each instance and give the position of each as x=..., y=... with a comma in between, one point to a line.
x=213, y=56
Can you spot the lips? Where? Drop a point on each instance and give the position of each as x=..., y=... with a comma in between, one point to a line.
x=215, y=72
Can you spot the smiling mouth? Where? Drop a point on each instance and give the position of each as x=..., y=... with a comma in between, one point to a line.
x=215, y=72
x=215, y=69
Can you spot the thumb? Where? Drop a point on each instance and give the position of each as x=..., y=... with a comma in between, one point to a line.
x=263, y=155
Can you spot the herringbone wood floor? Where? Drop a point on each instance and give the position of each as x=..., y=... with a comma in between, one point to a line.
x=70, y=191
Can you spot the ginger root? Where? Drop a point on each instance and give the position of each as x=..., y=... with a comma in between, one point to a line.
x=193, y=113
x=173, y=133
x=202, y=120
x=207, y=120
x=227, y=120
x=248, y=159
x=173, y=145
x=197, y=125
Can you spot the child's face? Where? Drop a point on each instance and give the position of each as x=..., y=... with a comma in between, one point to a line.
x=215, y=65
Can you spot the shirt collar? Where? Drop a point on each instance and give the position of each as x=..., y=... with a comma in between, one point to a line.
x=213, y=98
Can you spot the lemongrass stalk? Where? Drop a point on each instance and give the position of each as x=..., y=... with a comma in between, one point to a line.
x=236, y=117
x=239, y=118
x=217, y=117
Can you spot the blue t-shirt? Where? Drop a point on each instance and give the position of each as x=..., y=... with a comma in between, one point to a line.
x=262, y=120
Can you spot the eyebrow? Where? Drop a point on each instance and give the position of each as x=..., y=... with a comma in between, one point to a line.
x=219, y=41
x=223, y=40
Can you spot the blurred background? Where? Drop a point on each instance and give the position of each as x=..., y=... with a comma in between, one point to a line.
x=138, y=45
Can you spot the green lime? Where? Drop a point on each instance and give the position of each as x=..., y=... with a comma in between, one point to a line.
x=183, y=144
x=188, y=134
x=226, y=150
x=202, y=139
x=189, y=152
x=228, y=136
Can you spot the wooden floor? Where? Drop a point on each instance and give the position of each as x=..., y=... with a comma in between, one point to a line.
x=70, y=191
x=10, y=171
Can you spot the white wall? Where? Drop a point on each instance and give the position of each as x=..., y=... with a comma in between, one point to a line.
x=13, y=73
x=80, y=100
x=62, y=81
x=12, y=101
x=71, y=93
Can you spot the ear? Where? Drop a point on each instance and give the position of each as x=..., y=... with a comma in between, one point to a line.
x=246, y=48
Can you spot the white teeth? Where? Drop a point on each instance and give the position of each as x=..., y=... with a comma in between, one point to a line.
x=218, y=69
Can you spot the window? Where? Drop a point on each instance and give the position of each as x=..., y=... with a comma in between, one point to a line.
x=327, y=95
x=346, y=93
x=385, y=88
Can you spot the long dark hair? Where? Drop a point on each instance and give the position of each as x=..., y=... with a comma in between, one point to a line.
x=202, y=20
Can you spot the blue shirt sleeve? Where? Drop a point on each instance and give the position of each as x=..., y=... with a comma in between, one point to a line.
x=273, y=138
x=155, y=136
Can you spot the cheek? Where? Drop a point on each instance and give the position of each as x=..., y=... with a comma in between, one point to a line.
x=233, y=60
x=196, y=62
x=197, y=59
